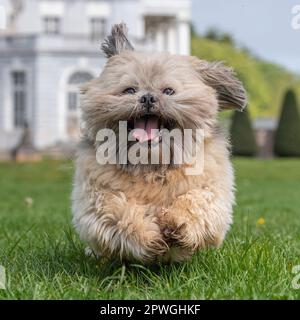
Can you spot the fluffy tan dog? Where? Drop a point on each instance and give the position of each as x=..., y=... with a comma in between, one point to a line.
x=153, y=212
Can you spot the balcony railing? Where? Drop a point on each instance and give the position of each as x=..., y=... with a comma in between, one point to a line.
x=49, y=43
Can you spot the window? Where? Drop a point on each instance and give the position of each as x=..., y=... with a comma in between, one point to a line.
x=75, y=80
x=98, y=28
x=52, y=25
x=73, y=102
x=19, y=98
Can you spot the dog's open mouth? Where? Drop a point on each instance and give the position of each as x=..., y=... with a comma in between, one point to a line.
x=148, y=127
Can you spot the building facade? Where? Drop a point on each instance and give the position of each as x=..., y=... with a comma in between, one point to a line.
x=48, y=48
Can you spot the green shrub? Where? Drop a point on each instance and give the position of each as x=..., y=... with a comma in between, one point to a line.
x=287, y=136
x=242, y=135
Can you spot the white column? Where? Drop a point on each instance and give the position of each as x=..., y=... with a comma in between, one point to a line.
x=140, y=28
x=184, y=37
x=62, y=109
x=159, y=39
x=172, y=39
x=8, y=113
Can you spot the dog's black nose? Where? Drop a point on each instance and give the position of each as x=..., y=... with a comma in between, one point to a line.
x=147, y=100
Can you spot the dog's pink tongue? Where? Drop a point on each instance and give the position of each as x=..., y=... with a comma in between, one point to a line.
x=143, y=129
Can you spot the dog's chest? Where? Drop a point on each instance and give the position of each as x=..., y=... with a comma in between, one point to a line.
x=161, y=190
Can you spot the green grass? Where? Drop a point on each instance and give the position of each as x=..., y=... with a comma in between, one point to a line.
x=44, y=259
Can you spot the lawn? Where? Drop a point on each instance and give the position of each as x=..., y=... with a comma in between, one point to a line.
x=44, y=259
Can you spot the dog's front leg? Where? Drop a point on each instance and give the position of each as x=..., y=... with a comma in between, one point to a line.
x=197, y=219
x=116, y=227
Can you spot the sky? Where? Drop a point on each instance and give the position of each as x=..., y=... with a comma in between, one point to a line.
x=263, y=26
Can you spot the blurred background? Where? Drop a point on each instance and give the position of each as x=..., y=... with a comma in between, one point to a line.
x=48, y=48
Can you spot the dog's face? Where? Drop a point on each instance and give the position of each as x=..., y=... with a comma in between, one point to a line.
x=157, y=91
x=150, y=91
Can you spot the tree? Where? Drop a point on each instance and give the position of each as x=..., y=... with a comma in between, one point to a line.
x=217, y=35
x=212, y=34
x=242, y=135
x=287, y=136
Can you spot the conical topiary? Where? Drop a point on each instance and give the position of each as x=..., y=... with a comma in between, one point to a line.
x=242, y=135
x=287, y=136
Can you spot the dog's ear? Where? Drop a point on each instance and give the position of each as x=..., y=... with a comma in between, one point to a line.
x=117, y=41
x=230, y=90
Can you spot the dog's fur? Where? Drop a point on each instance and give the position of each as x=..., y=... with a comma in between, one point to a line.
x=142, y=212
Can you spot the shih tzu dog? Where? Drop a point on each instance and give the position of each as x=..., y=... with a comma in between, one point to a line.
x=154, y=212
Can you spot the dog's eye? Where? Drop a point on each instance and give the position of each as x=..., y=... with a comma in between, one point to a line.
x=129, y=91
x=168, y=91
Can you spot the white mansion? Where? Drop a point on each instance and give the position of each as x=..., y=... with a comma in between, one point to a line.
x=48, y=48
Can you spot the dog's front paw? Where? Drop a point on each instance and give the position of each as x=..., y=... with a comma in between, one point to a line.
x=179, y=231
x=144, y=240
x=130, y=232
x=183, y=226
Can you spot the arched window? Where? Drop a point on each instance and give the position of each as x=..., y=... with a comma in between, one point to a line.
x=73, y=101
x=74, y=82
